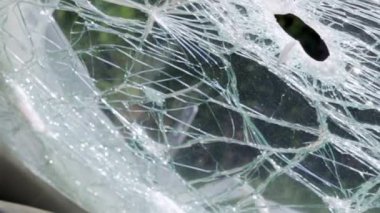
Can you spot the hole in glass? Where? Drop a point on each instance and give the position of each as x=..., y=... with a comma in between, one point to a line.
x=309, y=39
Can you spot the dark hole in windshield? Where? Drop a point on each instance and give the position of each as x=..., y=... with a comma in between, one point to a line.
x=310, y=40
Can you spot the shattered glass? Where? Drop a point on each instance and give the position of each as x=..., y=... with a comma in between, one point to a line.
x=194, y=106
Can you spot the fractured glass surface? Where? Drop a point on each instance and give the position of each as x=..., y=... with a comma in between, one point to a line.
x=189, y=106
